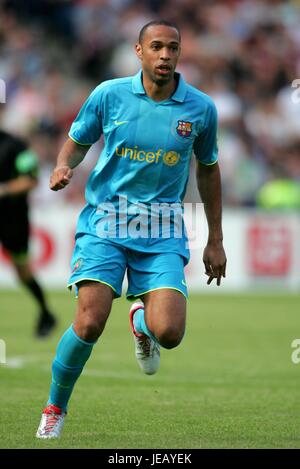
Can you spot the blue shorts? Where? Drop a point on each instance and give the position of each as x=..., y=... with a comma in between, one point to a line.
x=106, y=262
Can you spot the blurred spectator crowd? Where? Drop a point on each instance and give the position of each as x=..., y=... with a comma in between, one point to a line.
x=244, y=54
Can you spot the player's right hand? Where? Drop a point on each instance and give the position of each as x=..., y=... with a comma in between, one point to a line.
x=60, y=177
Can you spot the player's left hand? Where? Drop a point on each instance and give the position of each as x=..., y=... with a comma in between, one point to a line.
x=214, y=259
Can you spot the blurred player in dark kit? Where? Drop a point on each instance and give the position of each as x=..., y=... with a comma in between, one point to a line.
x=18, y=176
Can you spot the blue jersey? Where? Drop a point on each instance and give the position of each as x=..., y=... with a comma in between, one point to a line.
x=146, y=157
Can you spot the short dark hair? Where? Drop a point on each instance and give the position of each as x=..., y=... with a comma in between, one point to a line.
x=158, y=23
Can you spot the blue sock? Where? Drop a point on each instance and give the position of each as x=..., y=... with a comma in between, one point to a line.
x=140, y=323
x=71, y=355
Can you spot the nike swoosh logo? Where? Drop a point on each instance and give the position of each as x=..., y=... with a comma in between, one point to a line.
x=121, y=122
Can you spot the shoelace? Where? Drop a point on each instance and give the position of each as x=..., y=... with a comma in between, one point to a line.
x=146, y=346
x=51, y=421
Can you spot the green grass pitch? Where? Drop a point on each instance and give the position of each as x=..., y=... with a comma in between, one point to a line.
x=230, y=384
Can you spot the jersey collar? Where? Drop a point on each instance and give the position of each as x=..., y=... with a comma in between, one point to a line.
x=179, y=95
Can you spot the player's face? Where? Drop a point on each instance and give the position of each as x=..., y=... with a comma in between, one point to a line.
x=159, y=53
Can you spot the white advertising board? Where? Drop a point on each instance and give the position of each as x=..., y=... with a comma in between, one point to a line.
x=263, y=250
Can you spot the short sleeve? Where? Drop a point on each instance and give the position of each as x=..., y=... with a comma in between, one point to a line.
x=87, y=127
x=205, y=144
x=26, y=163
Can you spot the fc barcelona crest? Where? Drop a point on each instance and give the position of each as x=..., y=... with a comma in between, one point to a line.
x=184, y=128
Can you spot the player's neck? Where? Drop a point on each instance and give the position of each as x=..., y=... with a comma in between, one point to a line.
x=159, y=92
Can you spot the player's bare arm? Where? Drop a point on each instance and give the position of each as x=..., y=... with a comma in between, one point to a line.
x=69, y=157
x=209, y=186
x=19, y=185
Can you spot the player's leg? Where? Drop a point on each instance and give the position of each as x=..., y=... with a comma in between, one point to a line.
x=94, y=305
x=157, y=279
x=46, y=320
x=75, y=346
x=158, y=320
x=165, y=316
x=15, y=239
x=73, y=351
x=97, y=272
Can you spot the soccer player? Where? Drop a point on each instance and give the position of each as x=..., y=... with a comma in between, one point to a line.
x=18, y=176
x=152, y=123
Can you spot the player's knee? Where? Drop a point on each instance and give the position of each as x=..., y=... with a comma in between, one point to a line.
x=170, y=337
x=89, y=329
